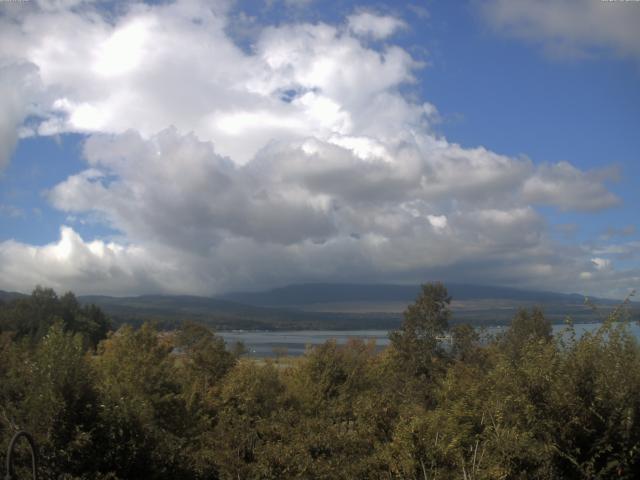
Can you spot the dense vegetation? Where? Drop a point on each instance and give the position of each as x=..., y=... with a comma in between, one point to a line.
x=143, y=404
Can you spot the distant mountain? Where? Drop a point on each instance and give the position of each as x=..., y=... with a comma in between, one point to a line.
x=317, y=293
x=222, y=314
x=477, y=304
x=8, y=296
x=173, y=309
x=329, y=306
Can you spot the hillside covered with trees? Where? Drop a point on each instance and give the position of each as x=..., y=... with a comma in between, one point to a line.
x=137, y=403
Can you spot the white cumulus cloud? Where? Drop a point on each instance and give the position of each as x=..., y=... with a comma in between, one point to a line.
x=373, y=25
x=300, y=159
x=18, y=84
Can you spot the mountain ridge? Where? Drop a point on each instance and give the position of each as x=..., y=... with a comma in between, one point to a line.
x=338, y=306
x=310, y=293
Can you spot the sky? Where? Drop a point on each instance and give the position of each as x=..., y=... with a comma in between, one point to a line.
x=200, y=147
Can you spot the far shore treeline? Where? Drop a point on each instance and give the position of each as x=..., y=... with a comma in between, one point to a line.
x=139, y=403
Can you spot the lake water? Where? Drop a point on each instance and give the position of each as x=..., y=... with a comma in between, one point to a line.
x=294, y=343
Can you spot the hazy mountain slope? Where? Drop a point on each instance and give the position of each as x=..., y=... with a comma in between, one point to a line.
x=8, y=296
x=318, y=293
x=471, y=303
x=337, y=306
x=171, y=310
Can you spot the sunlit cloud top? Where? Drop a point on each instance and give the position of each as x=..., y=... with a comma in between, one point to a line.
x=313, y=154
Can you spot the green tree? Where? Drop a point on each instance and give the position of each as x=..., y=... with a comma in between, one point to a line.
x=31, y=317
x=526, y=328
x=143, y=413
x=205, y=358
x=250, y=406
x=50, y=393
x=595, y=405
x=464, y=342
x=417, y=340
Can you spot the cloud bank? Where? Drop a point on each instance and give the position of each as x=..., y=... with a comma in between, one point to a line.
x=301, y=160
x=570, y=28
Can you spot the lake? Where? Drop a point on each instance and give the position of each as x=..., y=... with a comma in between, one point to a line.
x=294, y=342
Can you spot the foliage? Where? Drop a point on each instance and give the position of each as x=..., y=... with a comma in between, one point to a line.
x=180, y=405
x=33, y=316
x=416, y=342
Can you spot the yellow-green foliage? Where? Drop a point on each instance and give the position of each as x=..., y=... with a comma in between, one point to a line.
x=157, y=405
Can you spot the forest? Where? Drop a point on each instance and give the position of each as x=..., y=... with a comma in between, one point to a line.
x=141, y=403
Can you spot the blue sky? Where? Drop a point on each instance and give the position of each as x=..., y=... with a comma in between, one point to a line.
x=154, y=155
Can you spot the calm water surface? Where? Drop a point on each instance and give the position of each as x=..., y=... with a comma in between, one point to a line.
x=294, y=343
